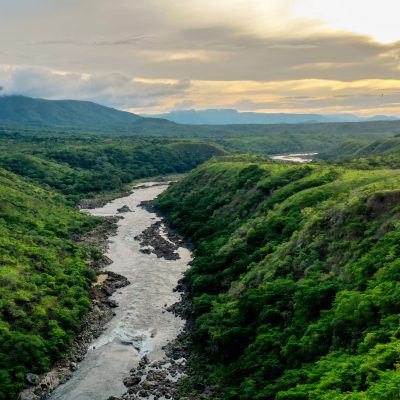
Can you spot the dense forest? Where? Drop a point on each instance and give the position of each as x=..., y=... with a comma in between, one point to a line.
x=199, y=200
x=295, y=278
x=44, y=280
x=64, y=119
x=83, y=117
x=357, y=148
x=295, y=273
x=44, y=277
x=81, y=166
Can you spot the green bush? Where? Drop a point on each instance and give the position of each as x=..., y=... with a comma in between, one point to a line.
x=295, y=278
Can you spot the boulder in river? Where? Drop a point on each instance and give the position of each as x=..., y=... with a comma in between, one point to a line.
x=131, y=381
x=124, y=209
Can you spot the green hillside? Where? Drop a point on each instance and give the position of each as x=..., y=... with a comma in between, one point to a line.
x=73, y=115
x=363, y=148
x=84, y=166
x=295, y=276
x=44, y=280
x=81, y=118
x=295, y=279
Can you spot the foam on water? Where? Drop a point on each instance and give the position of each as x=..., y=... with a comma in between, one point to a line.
x=141, y=326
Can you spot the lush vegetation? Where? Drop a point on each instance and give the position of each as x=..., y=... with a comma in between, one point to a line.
x=385, y=148
x=72, y=115
x=292, y=142
x=80, y=117
x=80, y=166
x=295, y=279
x=295, y=273
x=365, y=154
x=44, y=280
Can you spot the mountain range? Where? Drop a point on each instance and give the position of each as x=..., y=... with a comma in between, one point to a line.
x=230, y=116
x=20, y=112
x=26, y=112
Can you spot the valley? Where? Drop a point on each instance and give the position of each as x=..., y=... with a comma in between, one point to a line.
x=293, y=280
x=141, y=326
x=199, y=200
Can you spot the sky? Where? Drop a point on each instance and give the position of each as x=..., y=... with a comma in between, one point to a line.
x=154, y=56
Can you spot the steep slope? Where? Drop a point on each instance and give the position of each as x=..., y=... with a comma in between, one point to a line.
x=80, y=167
x=295, y=280
x=363, y=148
x=20, y=111
x=44, y=280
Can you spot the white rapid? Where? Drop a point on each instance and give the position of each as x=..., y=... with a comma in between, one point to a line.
x=141, y=325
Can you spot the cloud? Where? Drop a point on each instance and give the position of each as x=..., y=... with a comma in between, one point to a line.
x=55, y=42
x=116, y=90
x=254, y=40
x=131, y=40
x=206, y=53
x=183, y=105
x=139, y=94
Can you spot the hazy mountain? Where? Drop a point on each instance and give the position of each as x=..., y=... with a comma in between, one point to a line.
x=21, y=112
x=26, y=112
x=229, y=116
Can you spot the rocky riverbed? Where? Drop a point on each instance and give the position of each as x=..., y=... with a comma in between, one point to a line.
x=145, y=336
x=154, y=239
x=93, y=323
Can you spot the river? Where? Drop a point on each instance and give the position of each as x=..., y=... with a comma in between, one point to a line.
x=141, y=326
x=295, y=157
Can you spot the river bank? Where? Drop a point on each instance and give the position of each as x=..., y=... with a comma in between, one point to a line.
x=142, y=329
x=102, y=311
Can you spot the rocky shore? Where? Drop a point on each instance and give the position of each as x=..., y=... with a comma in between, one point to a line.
x=155, y=239
x=159, y=238
x=91, y=327
x=102, y=200
x=156, y=380
x=92, y=324
x=161, y=379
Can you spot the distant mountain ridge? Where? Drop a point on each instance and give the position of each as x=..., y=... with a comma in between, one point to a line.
x=231, y=116
x=20, y=112
x=26, y=112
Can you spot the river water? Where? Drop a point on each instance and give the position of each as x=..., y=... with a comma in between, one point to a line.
x=295, y=157
x=141, y=325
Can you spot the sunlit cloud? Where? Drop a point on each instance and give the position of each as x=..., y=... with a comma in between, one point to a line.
x=379, y=20
x=261, y=55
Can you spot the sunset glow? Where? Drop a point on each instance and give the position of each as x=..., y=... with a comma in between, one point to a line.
x=273, y=55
